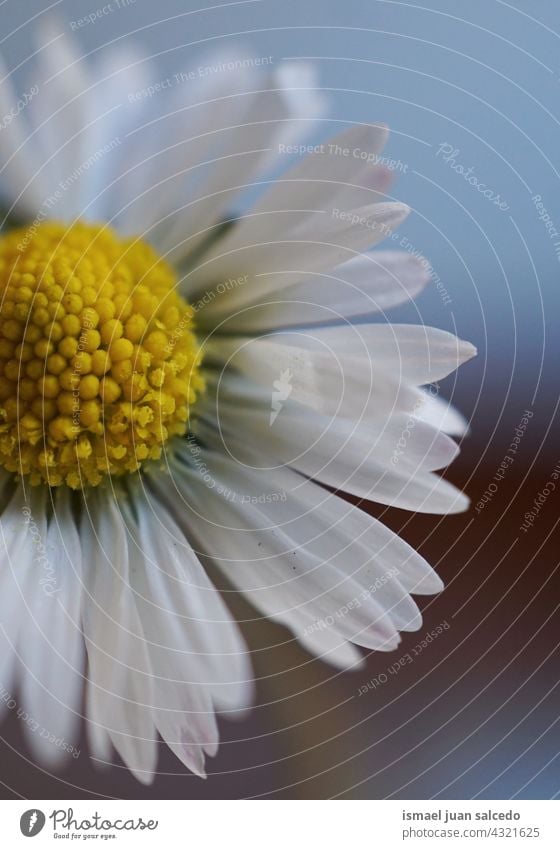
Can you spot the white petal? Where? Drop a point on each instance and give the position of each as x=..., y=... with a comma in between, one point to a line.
x=224, y=176
x=327, y=380
x=182, y=709
x=313, y=218
x=59, y=116
x=184, y=117
x=296, y=559
x=300, y=86
x=217, y=138
x=331, y=648
x=114, y=113
x=16, y=576
x=52, y=652
x=243, y=144
x=367, y=284
x=286, y=582
x=19, y=154
x=319, y=176
x=340, y=454
x=414, y=353
x=180, y=606
x=439, y=413
x=316, y=508
x=119, y=683
x=297, y=241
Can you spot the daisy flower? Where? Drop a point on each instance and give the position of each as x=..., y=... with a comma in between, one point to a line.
x=194, y=361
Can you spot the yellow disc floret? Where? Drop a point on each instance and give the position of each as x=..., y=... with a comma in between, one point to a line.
x=98, y=360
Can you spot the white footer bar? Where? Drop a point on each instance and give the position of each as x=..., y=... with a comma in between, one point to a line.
x=281, y=824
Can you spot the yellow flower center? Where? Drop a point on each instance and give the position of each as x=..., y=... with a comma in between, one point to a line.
x=98, y=361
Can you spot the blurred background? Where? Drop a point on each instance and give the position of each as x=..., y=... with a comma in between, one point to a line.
x=471, y=93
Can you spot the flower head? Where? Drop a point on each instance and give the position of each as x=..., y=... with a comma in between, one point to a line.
x=187, y=378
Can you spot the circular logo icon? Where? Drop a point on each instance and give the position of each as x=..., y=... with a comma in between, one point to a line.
x=31, y=822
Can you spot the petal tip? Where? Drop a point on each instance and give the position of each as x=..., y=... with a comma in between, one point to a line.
x=467, y=350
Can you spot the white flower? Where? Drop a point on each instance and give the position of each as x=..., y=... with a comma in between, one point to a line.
x=100, y=369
